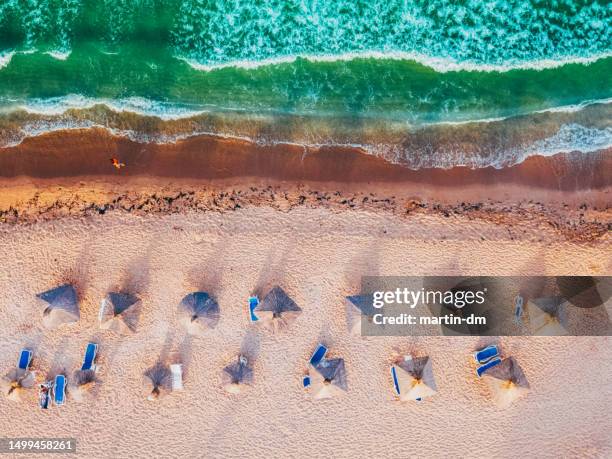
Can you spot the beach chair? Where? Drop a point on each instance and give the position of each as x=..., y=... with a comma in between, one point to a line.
x=318, y=355
x=176, y=369
x=490, y=364
x=44, y=395
x=396, y=388
x=253, y=303
x=395, y=379
x=25, y=358
x=306, y=381
x=59, y=390
x=518, y=308
x=486, y=354
x=90, y=357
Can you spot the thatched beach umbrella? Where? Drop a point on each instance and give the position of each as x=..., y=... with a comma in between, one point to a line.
x=507, y=382
x=328, y=378
x=156, y=378
x=277, y=310
x=548, y=316
x=198, y=312
x=450, y=303
x=82, y=383
x=63, y=306
x=118, y=312
x=16, y=381
x=359, y=307
x=415, y=379
x=585, y=292
x=236, y=375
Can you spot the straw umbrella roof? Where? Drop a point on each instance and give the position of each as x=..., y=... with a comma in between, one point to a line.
x=236, y=375
x=359, y=306
x=415, y=378
x=440, y=307
x=548, y=316
x=198, y=312
x=62, y=306
x=157, y=378
x=585, y=291
x=82, y=383
x=507, y=382
x=16, y=381
x=277, y=310
x=118, y=312
x=364, y=303
x=328, y=378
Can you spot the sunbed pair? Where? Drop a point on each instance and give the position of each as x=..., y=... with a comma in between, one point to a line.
x=52, y=391
x=487, y=358
x=56, y=390
x=317, y=356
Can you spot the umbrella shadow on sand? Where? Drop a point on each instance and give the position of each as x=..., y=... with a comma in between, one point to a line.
x=208, y=276
x=78, y=274
x=60, y=363
x=274, y=268
x=125, y=300
x=250, y=345
x=364, y=262
x=185, y=354
x=137, y=276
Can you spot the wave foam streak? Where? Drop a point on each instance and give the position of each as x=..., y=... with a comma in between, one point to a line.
x=487, y=143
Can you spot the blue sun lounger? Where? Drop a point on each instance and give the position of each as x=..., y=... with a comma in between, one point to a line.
x=90, y=357
x=59, y=390
x=318, y=355
x=25, y=358
x=253, y=303
x=490, y=364
x=395, y=381
x=486, y=354
x=306, y=381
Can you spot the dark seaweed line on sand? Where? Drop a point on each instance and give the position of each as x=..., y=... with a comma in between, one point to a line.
x=572, y=225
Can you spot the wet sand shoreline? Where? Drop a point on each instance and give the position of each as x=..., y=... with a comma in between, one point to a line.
x=68, y=174
x=86, y=152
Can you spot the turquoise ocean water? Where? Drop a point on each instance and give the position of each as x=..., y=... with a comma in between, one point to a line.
x=423, y=83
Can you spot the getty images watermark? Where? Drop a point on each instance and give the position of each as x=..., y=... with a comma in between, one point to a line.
x=481, y=306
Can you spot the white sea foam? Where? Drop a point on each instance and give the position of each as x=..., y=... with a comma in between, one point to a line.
x=60, y=55
x=569, y=138
x=138, y=105
x=168, y=111
x=5, y=58
x=439, y=64
x=572, y=137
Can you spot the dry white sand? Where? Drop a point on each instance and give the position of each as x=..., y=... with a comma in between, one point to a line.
x=318, y=258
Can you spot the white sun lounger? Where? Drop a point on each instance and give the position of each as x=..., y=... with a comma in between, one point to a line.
x=176, y=369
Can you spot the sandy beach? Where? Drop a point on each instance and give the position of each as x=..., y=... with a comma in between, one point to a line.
x=317, y=255
x=181, y=179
